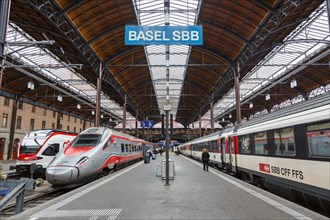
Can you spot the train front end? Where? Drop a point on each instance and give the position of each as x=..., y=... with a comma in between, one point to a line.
x=28, y=154
x=74, y=166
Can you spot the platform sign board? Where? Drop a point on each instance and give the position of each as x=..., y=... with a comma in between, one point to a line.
x=163, y=35
x=147, y=124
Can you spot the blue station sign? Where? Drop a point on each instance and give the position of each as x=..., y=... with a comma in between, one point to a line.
x=147, y=124
x=163, y=35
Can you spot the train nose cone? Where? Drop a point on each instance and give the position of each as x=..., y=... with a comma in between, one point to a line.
x=61, y=175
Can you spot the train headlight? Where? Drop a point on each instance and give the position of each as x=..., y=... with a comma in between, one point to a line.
x=82, y=161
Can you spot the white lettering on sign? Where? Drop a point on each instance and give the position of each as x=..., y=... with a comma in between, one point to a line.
x=161, y=36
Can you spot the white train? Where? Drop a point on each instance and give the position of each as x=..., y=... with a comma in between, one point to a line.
x=39, y=147
x=93, y=154
x=286, y=152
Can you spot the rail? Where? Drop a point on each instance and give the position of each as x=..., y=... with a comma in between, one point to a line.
x=18, y=193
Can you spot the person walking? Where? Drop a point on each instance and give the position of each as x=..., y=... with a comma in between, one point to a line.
x=205, y=159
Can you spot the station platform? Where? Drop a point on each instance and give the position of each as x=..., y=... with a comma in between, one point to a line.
x=137, y=193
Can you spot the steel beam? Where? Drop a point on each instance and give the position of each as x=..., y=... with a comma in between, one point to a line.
x=55, y=14
x=4, y=17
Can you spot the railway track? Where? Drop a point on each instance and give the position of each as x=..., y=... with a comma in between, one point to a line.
x=33, y=201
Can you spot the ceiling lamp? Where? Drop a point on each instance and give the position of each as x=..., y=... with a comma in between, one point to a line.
x=93, y=112
x=59, y=98
x=78, y=106
x=102, y=116
x=30, y=85
x=230, y=116
x=293, y=83
x=267, y=97
x=251, y=105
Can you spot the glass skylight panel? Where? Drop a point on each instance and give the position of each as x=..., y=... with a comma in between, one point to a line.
x=45, y=63
x=289, y=53
x=151, y=13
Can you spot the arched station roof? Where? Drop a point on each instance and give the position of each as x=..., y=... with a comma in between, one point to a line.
x=235, y=32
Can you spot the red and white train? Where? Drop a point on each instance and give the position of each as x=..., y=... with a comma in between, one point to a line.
x=286, y=152
x=39, y=148
x=93, y=154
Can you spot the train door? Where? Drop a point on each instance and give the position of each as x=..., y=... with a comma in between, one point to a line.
x=2, y=147
x=223, y=152
x=233, y=158
x=228, y=153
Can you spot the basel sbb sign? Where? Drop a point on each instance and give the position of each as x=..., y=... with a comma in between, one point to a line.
x=163, y=35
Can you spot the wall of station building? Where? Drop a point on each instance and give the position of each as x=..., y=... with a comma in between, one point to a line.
x=30, y=117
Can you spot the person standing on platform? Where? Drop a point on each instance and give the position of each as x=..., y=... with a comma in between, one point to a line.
x=205, y=159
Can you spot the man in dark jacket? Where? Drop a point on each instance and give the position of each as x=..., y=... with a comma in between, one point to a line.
x=205, y=159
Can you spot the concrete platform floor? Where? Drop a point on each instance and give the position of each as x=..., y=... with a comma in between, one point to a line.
x=136, y=193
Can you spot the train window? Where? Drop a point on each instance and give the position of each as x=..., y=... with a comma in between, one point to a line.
x=244, y=144
x=29, y=149
x=126, y=147
x=284, y=142
x=260, y=143
x=52, y=150
x=214, y=146
x=122, y=148
x=318, y=136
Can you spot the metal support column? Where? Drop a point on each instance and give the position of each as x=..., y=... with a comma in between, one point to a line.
x=188, y=133
x=4, y=18
x=136, y=122
x=167, y=50
x=163, y=123
x=167, y=183
x=84, y=123
x=58, y=120
x=98, y=96
x=193, y=131
x=212, y=115
x=171, y=125
x=124, y=114
x=200, y=125
x=12, y=128
x=237, y=94
x=328, y=10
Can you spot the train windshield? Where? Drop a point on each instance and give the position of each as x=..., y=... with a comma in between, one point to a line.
x=31, y=145
x=86, y=140
x=29, y=149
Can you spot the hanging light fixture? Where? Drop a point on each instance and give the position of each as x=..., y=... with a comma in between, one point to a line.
x=251, y=105
x=293, y=83
x=78, y=106
x=93, y=112
x=230, y=116
x=102, y=116
x=59, y=98
x=267, y=97
x=30, y=85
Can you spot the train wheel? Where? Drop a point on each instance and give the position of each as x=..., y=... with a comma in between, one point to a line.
x=103, y=173
x=259, y=183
